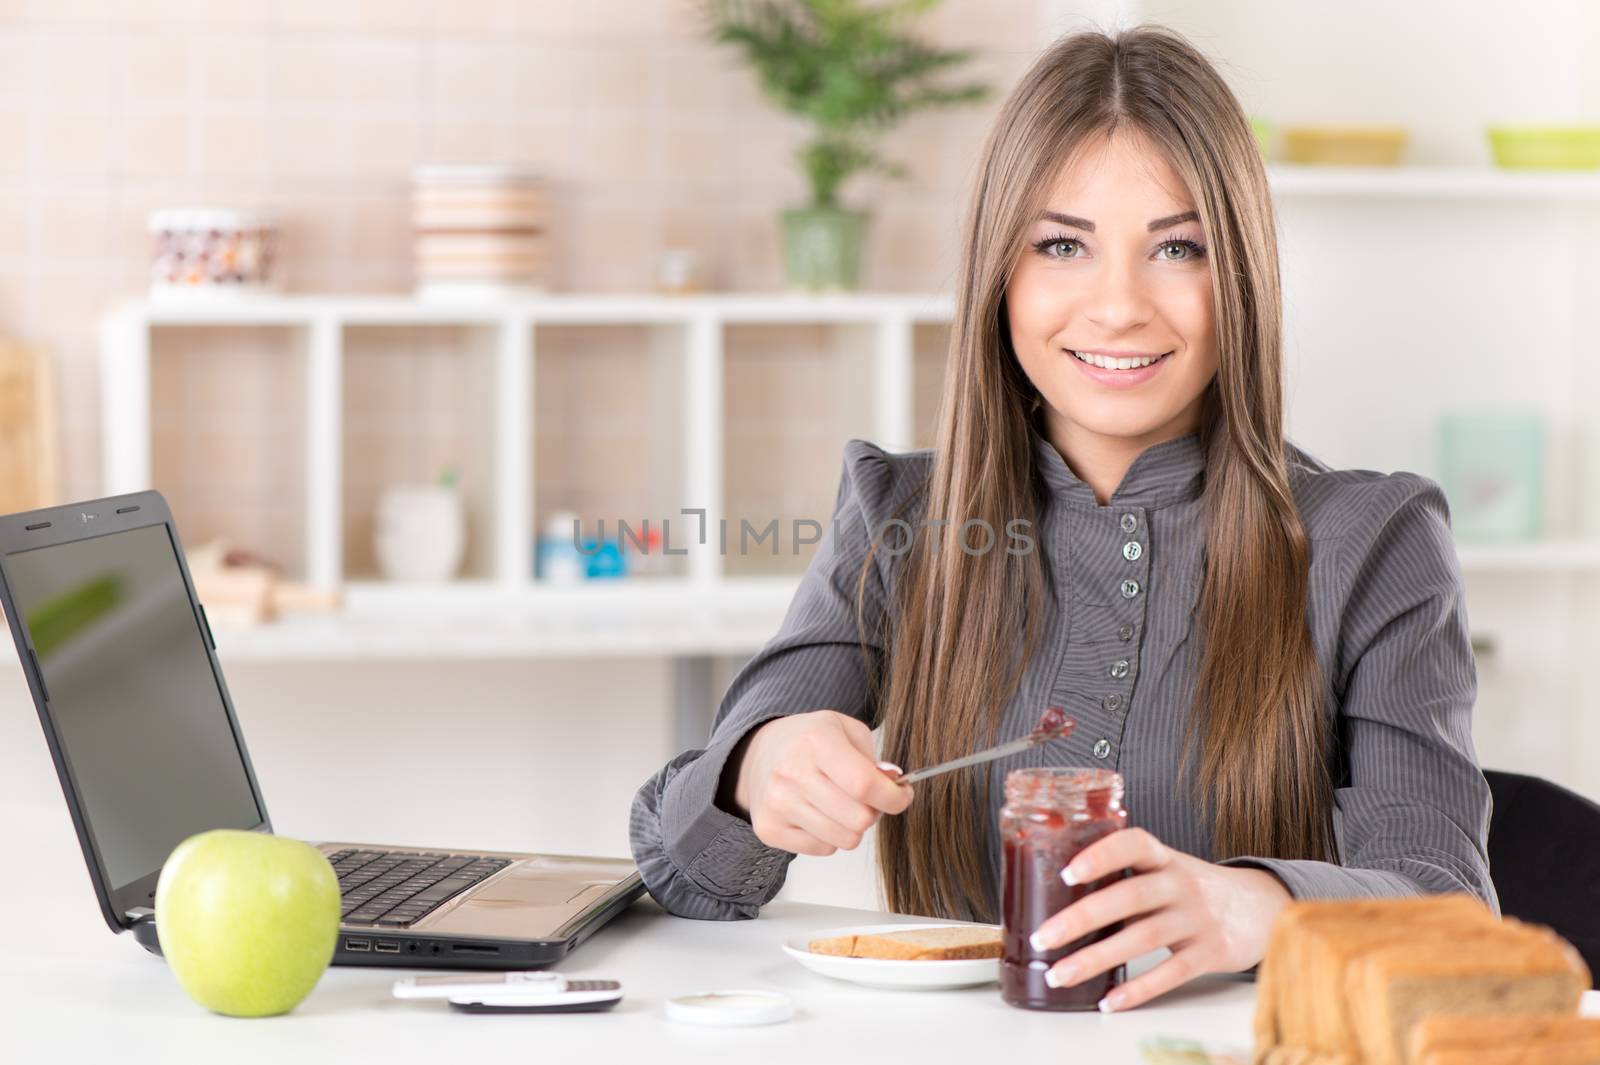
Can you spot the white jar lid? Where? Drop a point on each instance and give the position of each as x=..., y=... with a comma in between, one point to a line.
x=192, y=218
x=730, y=1008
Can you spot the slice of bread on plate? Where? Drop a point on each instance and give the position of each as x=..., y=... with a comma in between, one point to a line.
x=948, y=943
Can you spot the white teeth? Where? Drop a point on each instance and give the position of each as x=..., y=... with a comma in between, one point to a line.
x=1114, y=364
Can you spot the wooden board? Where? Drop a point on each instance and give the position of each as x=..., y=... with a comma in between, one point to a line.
x=28, y=448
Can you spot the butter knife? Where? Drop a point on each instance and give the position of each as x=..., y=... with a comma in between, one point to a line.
x=1053, y=724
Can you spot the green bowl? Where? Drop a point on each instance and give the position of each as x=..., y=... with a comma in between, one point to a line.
x=1263, y=131
x=1545, y=147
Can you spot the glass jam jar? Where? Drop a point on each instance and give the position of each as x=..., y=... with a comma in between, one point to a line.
x=1050, y=815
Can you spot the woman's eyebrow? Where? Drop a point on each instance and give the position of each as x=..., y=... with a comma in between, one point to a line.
x=1088, y=226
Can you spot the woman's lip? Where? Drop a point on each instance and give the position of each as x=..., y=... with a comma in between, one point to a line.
x=1120, y=378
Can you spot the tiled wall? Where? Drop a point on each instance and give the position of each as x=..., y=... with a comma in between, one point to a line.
x=652, y=137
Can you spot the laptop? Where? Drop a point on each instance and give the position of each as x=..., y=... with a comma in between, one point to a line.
x=123, y=669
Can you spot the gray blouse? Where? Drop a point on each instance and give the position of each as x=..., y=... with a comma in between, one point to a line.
x=1387, y=614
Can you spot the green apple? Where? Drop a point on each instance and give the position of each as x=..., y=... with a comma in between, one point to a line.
x=248, y=921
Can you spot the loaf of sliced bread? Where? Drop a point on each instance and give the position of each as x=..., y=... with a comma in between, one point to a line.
x=1512, y=968
x=1506, y=1039
x=1345, y=982
x=948, y=943
x=1310, y=943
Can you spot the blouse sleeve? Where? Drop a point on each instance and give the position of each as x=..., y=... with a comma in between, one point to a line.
x=1411, y=802
x=697, y=859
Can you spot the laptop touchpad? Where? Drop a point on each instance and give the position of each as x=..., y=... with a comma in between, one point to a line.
x=527, y=886
x=532, y=898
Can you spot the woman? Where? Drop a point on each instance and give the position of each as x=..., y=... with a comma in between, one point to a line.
x=1274, y=653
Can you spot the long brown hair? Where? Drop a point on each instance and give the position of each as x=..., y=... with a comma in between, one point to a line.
x=966, y=624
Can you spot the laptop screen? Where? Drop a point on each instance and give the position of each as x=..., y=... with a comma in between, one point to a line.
x=135, y=705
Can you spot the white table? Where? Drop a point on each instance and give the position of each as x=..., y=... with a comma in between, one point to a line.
x=72, y=991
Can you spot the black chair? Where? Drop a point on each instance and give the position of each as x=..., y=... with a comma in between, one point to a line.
x=1544, y=858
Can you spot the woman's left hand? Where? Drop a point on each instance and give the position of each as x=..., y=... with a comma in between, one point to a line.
x=1214, y=918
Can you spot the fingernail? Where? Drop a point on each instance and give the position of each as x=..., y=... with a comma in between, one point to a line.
x=890, y=767
x=1110, y=1003
x=1038, y=942
x=1068, y=877
x=1063, y=975
x=1051, y=979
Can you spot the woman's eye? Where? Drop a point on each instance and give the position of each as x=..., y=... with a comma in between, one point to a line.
x=1191, y=250
x=1053, y=242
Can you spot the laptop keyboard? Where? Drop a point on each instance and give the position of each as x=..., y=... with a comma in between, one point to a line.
x=399, y=888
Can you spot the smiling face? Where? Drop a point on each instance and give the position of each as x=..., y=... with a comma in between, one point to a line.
x=1110, y=268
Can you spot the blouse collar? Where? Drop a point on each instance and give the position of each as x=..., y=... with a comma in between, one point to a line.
x=1172, y=471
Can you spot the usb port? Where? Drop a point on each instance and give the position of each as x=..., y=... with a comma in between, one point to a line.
x=388, y=946
x=357, y=944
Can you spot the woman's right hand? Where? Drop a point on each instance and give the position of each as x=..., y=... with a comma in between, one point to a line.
x=809, y=782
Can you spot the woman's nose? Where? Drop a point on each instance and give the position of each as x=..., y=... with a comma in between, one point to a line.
x=1117, y=298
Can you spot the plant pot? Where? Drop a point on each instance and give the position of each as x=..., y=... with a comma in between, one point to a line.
x=420, y=532
x=822, y=247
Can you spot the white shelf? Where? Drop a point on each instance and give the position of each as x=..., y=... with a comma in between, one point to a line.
x=474, y=620
x=1433, y=182
x=615, y=597
x=1547, y=556
x=482, y=619
x=554, y=308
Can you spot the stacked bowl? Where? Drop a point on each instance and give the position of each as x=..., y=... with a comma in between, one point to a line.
x=480, y=231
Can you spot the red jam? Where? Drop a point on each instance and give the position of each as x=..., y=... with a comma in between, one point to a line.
x=1050, y=815
x=1053, y=724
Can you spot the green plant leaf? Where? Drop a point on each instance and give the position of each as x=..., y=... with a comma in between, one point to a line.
x=851, y=69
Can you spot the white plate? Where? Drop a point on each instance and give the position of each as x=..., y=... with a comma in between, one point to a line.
x=883, y=972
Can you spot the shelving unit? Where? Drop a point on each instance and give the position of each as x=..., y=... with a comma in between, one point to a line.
x=614, y=407
x=609, y=406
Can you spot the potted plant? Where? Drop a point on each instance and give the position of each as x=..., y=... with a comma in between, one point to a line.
x=853, y=71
